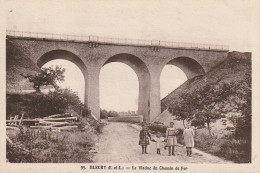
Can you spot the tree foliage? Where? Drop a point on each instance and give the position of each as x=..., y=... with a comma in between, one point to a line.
x=41, y=105
x=241, y=103
x=47, y=76
x=183, y=109
x=202, y=106
x=105, y=114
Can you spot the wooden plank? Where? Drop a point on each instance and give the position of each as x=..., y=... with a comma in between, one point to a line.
x=9, y=140
x=59, y=116
x=24, y=120
x=56, y=128
x=93, y=116
x=44, y=122
x=60, y=119
x=38, y=119
x=67, y=124
x=12, y=128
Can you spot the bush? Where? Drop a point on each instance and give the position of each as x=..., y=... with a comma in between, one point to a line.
x=206, y=142
x=103, y=114
x=238, y=151
x=226, y=147
x=41, y=105
x=34, y=146
x=158, y=128
x=99, y=127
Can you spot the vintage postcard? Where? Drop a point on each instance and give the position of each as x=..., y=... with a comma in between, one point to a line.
x=130, y=86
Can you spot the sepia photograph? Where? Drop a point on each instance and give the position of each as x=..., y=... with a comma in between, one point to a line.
x=128, y=85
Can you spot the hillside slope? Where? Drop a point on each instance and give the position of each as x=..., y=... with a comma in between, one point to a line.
x=18, y=62
x=236, y=68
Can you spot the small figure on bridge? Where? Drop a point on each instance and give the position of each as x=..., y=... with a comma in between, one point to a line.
x=171, y=133
x=158, y=139
x=144, y=137
x=188, y=135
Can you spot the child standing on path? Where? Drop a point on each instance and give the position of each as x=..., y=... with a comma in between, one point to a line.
x=144, y=136
x=171, y=133
x=188, y=135
x=158, y=139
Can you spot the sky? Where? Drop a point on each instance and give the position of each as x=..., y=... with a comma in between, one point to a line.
x=213, y=22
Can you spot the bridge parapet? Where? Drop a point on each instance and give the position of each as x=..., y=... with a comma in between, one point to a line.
x=116, y=41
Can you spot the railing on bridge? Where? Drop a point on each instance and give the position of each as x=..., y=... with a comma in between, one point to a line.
x=120, y=41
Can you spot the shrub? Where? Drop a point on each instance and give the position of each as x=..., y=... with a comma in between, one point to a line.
x=158, y=128
x=16, y=153
x=41, y=146
x=238, y=151
x=99, y=127
x=41, y=105
x=206, y=142
x=103, y=114
x=226, y=147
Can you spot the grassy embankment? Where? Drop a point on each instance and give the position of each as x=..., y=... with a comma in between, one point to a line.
x=226, y=141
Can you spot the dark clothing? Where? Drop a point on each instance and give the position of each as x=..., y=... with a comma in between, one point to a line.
x=171, y=150
x=158, y=151
x=144, y=137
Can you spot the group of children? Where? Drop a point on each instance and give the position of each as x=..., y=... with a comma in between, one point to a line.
x=171, y=139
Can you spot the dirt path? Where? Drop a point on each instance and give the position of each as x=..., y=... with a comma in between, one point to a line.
x=119, y=144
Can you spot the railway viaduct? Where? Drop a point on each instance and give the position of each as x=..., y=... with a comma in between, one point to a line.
x=146, y=58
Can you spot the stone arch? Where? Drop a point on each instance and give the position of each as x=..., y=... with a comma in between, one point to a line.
x=65, y=55
x=143, y=75
x=189, y=66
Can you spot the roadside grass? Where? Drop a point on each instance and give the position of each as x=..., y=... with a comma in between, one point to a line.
x=41, y=146
x=238, y=151
x=225, y=146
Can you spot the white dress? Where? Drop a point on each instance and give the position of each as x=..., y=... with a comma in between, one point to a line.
x=188, y=137
x=158, y=142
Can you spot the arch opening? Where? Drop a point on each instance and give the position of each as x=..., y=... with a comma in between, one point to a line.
x=119, y=88
x=143, y=76
x=188, y=65
x=75, y=74
x=174, y=73
x=62, y=54
x=171, y=78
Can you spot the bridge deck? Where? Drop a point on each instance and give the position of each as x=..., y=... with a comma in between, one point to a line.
x=116, y=41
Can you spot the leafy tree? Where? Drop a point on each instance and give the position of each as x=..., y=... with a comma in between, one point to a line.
x=104, y=114
x=207, y=107
x=202, y=106
x=183, y=109
x=241, y=104
x=41, y=105
x=113, y=114
x=47, y=76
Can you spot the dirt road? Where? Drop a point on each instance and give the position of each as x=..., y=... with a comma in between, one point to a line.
x=119, y=144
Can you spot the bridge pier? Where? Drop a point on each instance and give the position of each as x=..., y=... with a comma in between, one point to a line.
x=92, y=93
x=143, y=99
x=155, y=102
